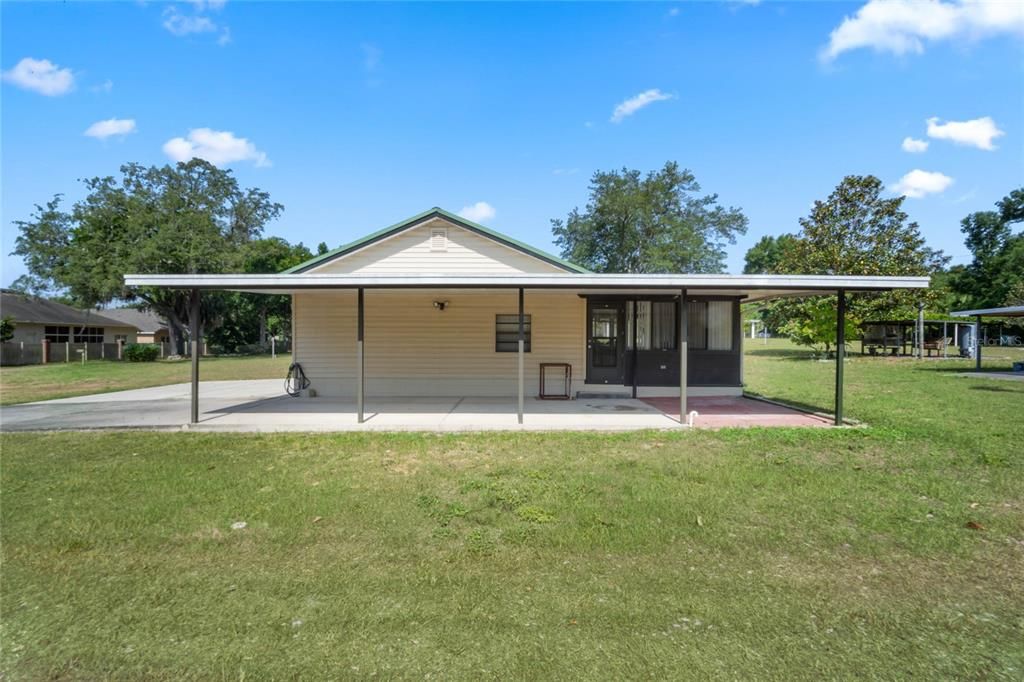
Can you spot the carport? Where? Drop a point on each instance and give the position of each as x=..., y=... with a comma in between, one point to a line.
x=1007, y=311
x=736, y=288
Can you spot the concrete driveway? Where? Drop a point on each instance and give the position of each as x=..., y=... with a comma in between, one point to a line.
x=159, y=407
x=262, y=406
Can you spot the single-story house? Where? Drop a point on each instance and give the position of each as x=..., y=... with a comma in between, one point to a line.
x=37, y=319
x=152, y=328
x=437, y=305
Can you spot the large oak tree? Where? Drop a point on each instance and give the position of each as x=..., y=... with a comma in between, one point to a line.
x=658, y=222
x=857, y=230
x=188, y=218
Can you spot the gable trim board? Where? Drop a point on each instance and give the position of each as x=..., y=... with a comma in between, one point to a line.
x=423, y=218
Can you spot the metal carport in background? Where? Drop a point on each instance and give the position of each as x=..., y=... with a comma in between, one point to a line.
x=1008, y=311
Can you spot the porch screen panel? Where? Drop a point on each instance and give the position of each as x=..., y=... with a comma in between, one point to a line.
x=643, y=325
x=663, y=325
x=719, y=324
x=696, y=335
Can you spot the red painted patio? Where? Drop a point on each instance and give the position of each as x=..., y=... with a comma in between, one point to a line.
x=732, y=411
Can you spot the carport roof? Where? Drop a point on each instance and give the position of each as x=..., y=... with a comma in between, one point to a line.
x=1009, y=311
x=749, y=286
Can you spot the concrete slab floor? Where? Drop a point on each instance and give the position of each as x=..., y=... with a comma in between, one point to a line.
x=262, y=406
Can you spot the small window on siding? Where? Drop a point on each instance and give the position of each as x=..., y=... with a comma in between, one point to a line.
x=506, y=333
x=719, y=325
x=438, y=239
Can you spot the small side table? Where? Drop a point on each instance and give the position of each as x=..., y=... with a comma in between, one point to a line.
x=557, y=371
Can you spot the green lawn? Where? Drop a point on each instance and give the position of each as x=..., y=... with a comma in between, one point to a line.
x=893, y=551
x=63, y=380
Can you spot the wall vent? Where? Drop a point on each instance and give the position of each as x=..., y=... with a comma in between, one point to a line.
x=438, y=239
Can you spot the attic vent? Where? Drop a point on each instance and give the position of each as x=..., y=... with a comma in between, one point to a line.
x=438, y=239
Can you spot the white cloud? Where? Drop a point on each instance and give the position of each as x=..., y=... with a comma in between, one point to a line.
x=201, y=5
x=106, y=86
x=371, y=56
x=187, y=24
x=904, y=26
x=42, y=76
x=101, y=130
x=914, y=146
x=638, y=102
x=674, y=12
x=219, y=147
x=183, y=25
x=478, y=212
x=918, y=183
x=978, y=132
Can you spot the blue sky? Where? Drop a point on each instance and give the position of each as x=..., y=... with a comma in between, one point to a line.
x=356, y=116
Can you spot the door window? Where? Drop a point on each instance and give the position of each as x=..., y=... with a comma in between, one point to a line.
x=604, y=337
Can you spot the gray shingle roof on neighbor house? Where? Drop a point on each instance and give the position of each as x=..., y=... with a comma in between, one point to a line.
x=146, y=321
x=29, y=309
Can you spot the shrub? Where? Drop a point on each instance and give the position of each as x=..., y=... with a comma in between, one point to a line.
x=137, y=352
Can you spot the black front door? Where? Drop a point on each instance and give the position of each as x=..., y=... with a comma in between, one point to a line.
x=606, y=342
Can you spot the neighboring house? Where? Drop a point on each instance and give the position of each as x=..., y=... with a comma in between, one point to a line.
x=38, y=319
x=431, y=307
x=152, y=328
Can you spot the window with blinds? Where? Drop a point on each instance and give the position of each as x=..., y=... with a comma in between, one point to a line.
x=719, y=325
x=710, y=325
x=655, y=325
x=697, y=325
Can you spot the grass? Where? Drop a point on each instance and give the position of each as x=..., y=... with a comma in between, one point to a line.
x=64, y=380
x=892, y=551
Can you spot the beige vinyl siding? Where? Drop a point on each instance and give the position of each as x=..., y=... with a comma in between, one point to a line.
x=412, y=252
x=413, y=349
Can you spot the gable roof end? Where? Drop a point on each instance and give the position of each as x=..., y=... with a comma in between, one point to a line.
x=429, y=215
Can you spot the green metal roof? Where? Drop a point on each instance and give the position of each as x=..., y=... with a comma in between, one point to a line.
x=423, y=217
